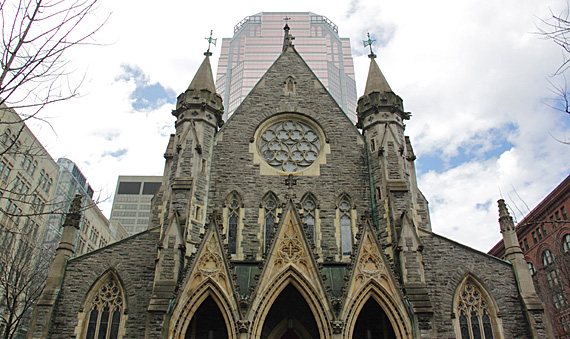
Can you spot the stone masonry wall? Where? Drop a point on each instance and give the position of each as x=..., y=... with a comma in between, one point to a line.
x=233, y=167
x=446, y=263
x=133, y=259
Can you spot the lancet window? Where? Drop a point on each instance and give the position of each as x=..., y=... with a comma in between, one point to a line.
x=345, y=225
x=475, y=313
x=233, y=205
x=309, y=207
x=106, y=311
x=270, y=217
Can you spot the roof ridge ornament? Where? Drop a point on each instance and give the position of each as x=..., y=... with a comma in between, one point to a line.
x=210, y=42
x=369, y=42
x=288, y=38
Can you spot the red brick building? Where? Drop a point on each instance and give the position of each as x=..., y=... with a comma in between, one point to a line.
x=544, y=237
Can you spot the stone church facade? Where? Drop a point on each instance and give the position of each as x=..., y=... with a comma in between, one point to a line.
x=287, y=221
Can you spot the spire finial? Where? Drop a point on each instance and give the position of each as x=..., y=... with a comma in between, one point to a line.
x=505, y=219
x=210, y=42
x=286, y=38
x=369, y=42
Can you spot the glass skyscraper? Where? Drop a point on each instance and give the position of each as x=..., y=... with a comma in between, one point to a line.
x=258, y=41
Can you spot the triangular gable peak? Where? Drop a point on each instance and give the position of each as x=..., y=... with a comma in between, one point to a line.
x=173, y=228
x=288, y=86
x=370, y=264
x=290, y=260
x=209, y=275
x=168, y=263
x=372, y=277
x=409, y=238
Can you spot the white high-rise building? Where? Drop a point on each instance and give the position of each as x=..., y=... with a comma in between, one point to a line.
x=131, y=204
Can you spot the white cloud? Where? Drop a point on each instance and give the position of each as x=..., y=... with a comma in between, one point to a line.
x=463, y=69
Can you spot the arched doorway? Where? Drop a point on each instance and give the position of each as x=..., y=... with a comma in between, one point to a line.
x=207, y=323
x=290, y=317
x=372, y=322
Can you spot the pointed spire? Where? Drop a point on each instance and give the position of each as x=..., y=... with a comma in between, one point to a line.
x=376, y=81
x=505, y=219
x=204, y=79
x=286, y=40
x=201, y=94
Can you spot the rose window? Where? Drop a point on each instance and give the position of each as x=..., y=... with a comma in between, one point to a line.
x=289, y=145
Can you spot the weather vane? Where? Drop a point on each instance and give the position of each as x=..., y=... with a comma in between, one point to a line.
x=286, y=28
x=210, y=41
x=369, y=42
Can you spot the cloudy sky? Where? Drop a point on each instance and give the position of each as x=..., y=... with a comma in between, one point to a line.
x=474, y=74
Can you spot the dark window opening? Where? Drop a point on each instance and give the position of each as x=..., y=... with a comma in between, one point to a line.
x=151, y=188
x=129, y=187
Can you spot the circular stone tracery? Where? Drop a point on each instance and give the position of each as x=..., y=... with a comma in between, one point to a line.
x=289, y=145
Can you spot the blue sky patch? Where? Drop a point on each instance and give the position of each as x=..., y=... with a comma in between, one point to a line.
x=116, y=154
x=146, y=96
x=475, y=148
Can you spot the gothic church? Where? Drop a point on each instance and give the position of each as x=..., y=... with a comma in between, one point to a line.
x=287, y=221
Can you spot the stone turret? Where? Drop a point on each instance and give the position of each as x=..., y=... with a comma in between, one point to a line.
x=400, y=208
x=198, y=116
x=381, y=116
x=513, y=253
x=42, y=315
x=181, y=203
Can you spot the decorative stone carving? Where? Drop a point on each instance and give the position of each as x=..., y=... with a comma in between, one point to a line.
x=289, y=145
x=290, y=249
x=337, y=326
x=210, y=263
x=243, y=326
x=370, y=264
x=290, y=86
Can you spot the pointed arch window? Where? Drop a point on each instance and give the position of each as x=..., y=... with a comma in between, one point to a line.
x=233, y=221
x=270, y=217
x=309, y=207
x=345, y=226
x=105, y=311
x=476, y=316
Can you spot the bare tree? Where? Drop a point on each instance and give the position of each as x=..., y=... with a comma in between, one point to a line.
x=36, y=38
x=36, y=35
x=557, y=29
x=22, y=277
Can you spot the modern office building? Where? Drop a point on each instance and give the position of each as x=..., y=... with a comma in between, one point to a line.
x=28, y=175
x=131, y=204
x=544, y=237
x=71, y=182
x=35, y=192
x=258, y=41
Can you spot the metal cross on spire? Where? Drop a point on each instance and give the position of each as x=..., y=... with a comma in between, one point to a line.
x=287, y=38
x=286, y=28
x=210, y=42
x=369, y=42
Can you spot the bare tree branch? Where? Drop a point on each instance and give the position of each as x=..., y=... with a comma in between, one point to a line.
x=35, y=39
x=34, y=45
